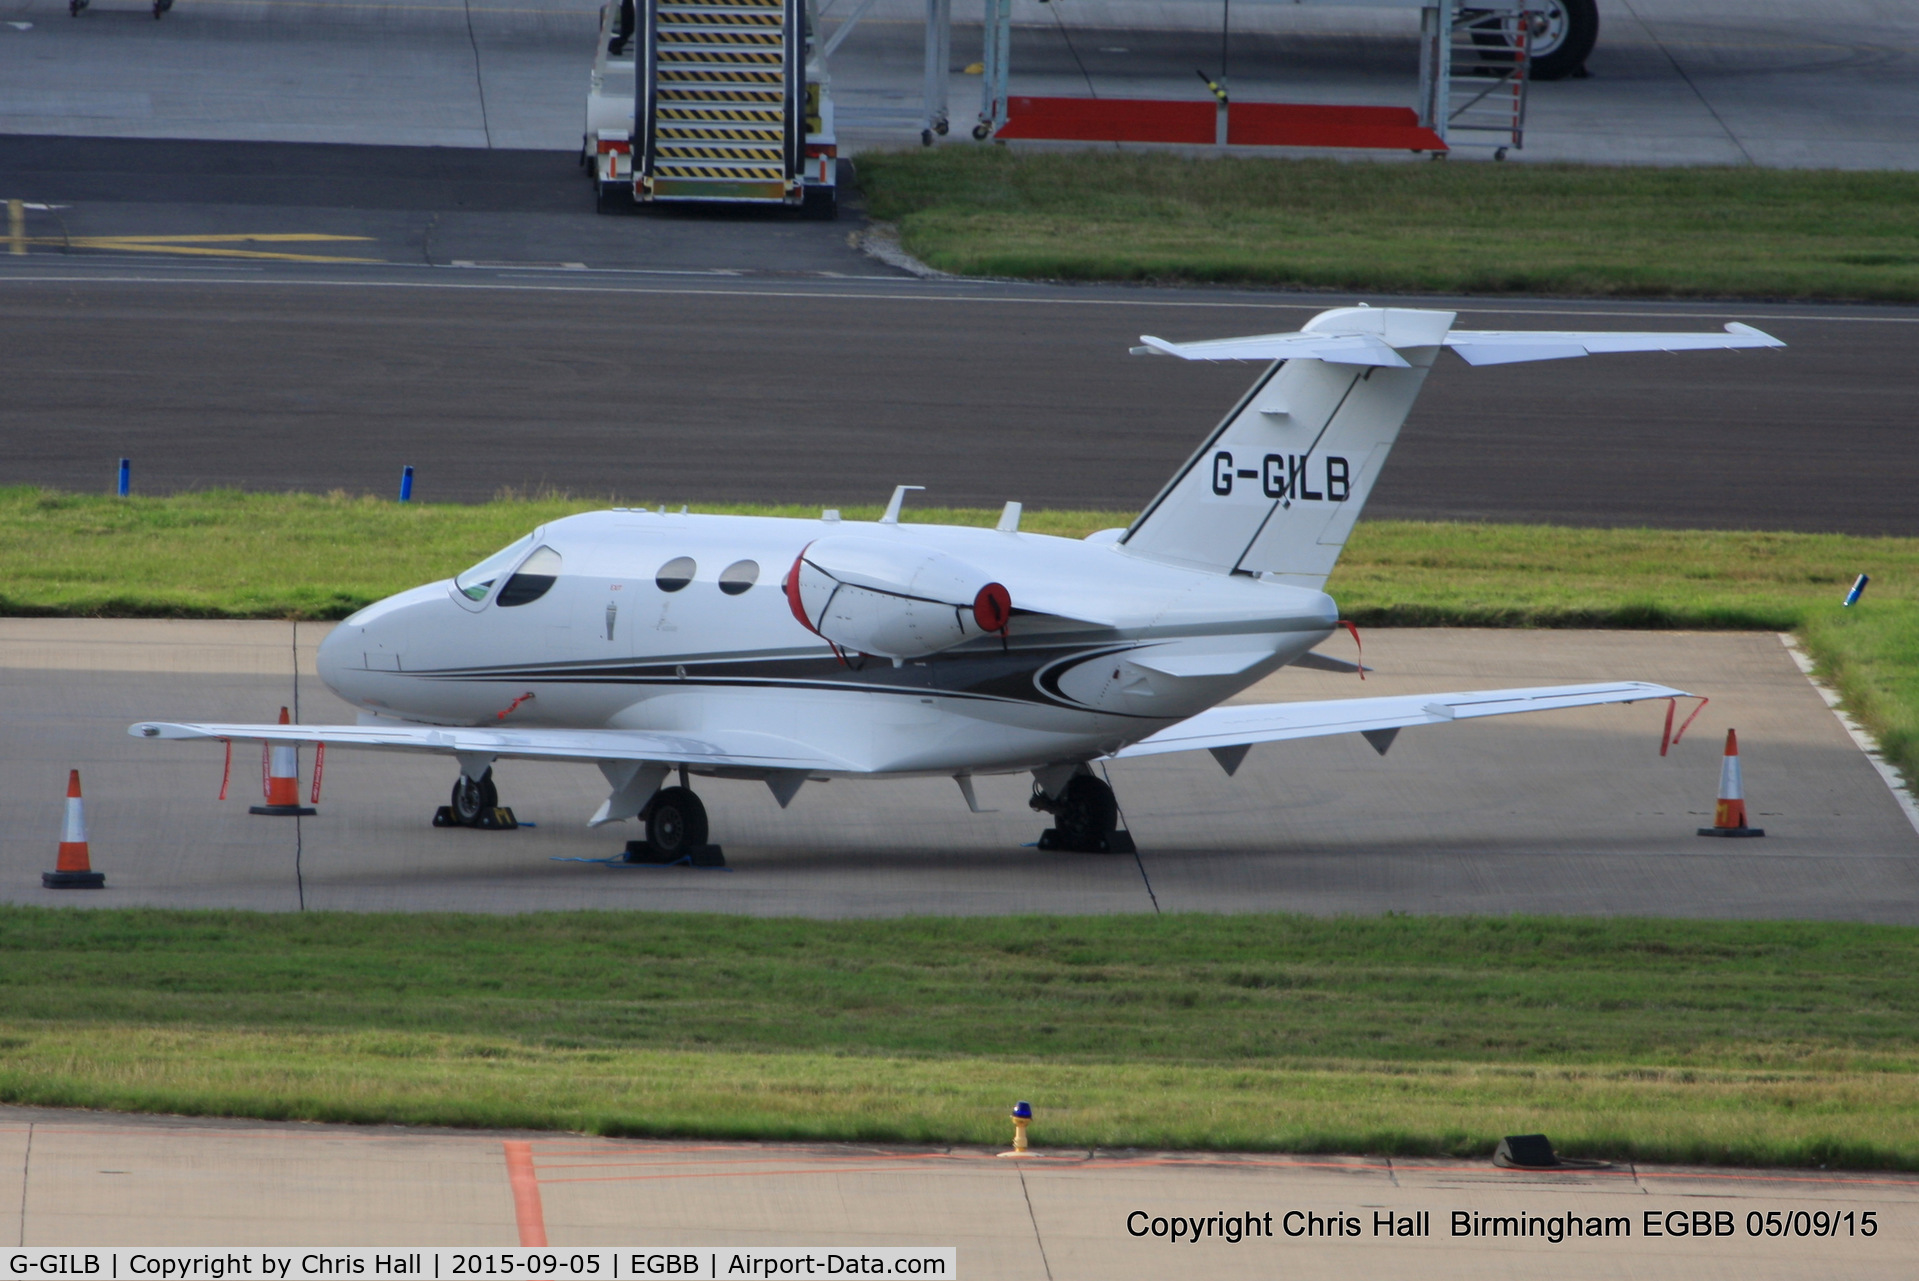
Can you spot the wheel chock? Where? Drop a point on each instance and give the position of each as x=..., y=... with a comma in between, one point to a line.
x=647, y=854
x=497, y=819
x=1111, y=843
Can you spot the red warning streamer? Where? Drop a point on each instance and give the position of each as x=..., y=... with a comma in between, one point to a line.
x=1353, y=627
x=226, y=770
x=319, y=768
x=1669, y=738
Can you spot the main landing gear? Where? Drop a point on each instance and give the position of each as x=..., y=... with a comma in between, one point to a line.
x=675, y=830
x=476, y=803
x=1085, y=818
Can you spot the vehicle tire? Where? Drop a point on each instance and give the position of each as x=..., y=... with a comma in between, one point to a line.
x=675, y=821
x=473, y=797
x=1087, y=815
x=1563, y=37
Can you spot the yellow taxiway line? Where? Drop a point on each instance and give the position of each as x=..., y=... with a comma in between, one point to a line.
x=204, y=245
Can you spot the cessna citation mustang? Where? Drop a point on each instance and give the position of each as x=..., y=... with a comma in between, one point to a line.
x=654, y=645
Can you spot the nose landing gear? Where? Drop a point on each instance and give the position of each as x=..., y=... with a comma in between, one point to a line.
x=476, y=803
x=1085, y=818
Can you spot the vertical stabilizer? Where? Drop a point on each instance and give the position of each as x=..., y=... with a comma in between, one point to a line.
x=1278, y=486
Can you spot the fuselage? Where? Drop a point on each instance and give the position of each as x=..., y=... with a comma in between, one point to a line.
x=681, y=623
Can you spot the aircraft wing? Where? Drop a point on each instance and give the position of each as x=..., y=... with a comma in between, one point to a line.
x=1238, y=726
x=737, y=748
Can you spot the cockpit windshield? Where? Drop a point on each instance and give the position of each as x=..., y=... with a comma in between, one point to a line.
x=478, y=581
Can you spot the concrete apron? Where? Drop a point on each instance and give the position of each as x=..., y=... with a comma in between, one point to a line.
x=94, y=1179
x=1560, y=812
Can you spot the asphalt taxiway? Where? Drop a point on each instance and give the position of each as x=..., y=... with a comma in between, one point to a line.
x=1561, y=812
x=744, y=384
x=100, y=1181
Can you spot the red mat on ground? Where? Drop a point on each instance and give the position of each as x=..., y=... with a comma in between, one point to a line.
x=1249, y=124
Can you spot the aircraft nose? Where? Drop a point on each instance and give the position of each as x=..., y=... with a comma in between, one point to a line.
x=338, y=654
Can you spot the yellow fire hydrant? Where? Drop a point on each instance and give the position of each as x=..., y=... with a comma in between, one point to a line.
x=1022, y=1117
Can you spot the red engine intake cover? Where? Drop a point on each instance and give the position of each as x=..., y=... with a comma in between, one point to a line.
x=993, y=608
x=791, y=586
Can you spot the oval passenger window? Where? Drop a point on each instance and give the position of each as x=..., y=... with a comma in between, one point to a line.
x=739, y=576
x=531, y=581
x=676, y=573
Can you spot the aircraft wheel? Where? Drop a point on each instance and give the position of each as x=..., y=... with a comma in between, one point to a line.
x=1087, y=815
x=473, y=797
x=1563, y=36
x=675, y=822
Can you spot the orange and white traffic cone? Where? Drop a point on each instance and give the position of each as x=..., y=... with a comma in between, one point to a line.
x=74, y=871
x=283, y=780
x=1729, y=816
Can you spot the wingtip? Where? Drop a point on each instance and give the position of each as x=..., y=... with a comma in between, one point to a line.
x=1748, y=331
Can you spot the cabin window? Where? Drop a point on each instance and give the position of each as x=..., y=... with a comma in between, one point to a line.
x=739, y=576
x=676, y=573
x=531, y=581
x=478, y=581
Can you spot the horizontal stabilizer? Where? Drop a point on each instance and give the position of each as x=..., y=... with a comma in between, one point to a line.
x=1275, y=722
x=1475, y=346
x=1339, y=349
x=737, y=749
x=1499, y=347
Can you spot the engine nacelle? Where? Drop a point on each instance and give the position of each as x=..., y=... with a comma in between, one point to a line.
x=895, y=599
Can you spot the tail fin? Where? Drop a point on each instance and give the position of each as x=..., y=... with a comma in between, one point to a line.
x=1277, y=488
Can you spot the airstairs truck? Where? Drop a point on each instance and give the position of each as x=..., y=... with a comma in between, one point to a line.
x=711, y=101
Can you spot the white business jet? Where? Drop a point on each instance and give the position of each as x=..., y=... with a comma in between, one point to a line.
x=654, y=644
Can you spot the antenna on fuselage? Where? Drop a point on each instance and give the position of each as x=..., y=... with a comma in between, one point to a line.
x=892, y=516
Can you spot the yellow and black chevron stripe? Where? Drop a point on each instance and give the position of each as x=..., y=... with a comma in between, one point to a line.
x=673, y=37
x=719, y=133
x=723, y=99
x=743, y=58
x=672, y=151
x=723, y=21
x=683, y=75
x=737, y=173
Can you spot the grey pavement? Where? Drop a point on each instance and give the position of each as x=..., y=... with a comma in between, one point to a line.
x=683, y=385
x=1766, y=82
x=93, y=1179
x=1566, y=812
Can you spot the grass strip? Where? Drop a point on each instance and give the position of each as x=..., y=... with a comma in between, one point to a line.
x=1591, y=230
x=229, y=554
x=1743, y=1042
